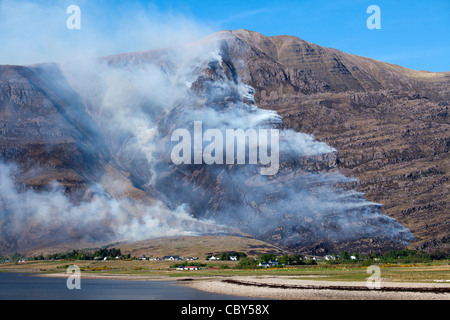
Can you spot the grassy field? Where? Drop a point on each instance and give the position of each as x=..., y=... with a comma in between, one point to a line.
x=202, y=245
x=437, y=272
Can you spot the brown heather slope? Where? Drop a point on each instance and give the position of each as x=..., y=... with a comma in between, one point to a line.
x=183, y=246
x=46, y=131
x=198, y=246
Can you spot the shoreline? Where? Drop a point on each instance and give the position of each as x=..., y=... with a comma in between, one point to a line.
x=291, y=287
x=109, y=276
x=288, y=288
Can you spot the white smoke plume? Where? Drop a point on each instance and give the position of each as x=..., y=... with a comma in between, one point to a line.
x=30, y=219
x=152, y=97
x=137, y=100
x=35, y=31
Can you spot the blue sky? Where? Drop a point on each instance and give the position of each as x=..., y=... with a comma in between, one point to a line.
x=413, y=34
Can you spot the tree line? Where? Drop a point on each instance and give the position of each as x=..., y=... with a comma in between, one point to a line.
x=83, y=255
x=403, y=256
x=227, y=255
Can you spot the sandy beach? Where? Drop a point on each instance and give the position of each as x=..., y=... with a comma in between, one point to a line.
x=293, y=288
x=288, y=288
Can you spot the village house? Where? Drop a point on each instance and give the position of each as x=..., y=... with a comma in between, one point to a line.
x=190, y=268
x=271, y=263
x=192, y=258
x=319, y=258
x=154, y=259
x=181, y=268
x=213, y=268
x=171, y=258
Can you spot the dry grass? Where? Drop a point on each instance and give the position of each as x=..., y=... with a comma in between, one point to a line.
x=389, y=273
x=197, y=246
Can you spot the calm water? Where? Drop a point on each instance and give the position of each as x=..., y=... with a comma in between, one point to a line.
x=15, y=286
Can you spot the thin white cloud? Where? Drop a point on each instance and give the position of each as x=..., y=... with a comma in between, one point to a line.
x=242, y=15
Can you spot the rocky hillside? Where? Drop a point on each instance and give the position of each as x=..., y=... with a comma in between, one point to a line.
x=45, y=129
x=387, y=126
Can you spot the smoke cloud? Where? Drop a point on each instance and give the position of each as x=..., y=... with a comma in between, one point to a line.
x=137, y=100
x=31, y=219
x=36, y=31
x=174, y=90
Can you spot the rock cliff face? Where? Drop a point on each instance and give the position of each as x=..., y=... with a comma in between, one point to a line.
x=45, y=129
x=383, y=124
x=389, y=124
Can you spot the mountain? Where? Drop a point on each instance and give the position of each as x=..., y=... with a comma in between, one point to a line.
x=102, y=130
x=389, y=124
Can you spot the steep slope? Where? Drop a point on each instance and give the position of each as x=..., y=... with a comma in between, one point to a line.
x=110, y=124
x=45, y=129
x=389, y=124
x=54, y=164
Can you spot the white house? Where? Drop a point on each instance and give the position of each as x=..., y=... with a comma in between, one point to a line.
x=191, y=268
x=271, y=263
x=234, y=258
x=154, y=259
x=187, y=268
x=214, y=258
x=172, y=258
